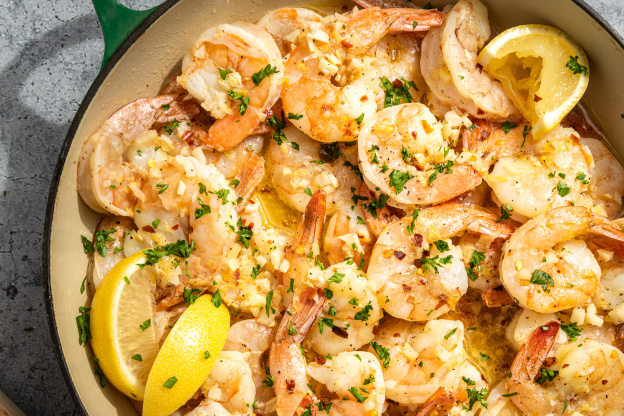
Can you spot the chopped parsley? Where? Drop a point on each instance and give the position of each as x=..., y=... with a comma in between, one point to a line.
x=191, y=295
x=329, y=152
x=580, y=176
x=358, y=396
x=83, y=321
x=547, y=375
x=441, y=245
x=364, y=314
x=216, y=299
x=430, y=263
x=397, y=91
x=242, y=108
x=244, y=233
x=405, y=154
x=571, y=330
x=450, y=333
x=563, y=189
x=508, y=125
x=292, y=116
x=359, y=119
x=506, y=211
x=444, y=167
x=382, y=352
x=269, y=308
x=475, y=396
x=398, y=180
x=263, y=73
x=82, y=286
x=180, y=248
x=575, y=67
x=474, y=264
x=224, y=72
x=336, y=277
x=200, y=212
x=146, y=324
x=137, y=357
x=162, y=187
x=410, y=227
x=168, y=127
x=542, y=279
x=170, y=382
x=525, y=132
x=101, y=238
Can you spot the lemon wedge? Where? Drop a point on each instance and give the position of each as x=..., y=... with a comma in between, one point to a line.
x=186, y=357
x=544, y=71
x=122, y=325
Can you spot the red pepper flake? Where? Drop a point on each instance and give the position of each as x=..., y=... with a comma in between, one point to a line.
x=290, y=386
x=399, y=255
x=320, y=360
x=346, y=43
x=479, y=68
x=148, y=229
x=537, y=99
x=406, y=288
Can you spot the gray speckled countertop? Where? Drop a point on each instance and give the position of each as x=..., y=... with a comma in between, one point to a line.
x=51, y=52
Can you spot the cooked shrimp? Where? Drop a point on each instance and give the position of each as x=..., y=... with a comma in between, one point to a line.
x=107, y=182
x=333, y=78
x=545, y=267
x=531, y=177
x=350, y=316
x=286, y=359
x=348, y=237
x=358, y=381
x=610, y=293
x=235, y=70
x=403, y=153
x=500, y=403
x=606, y=178
x=113, y=230
x=300, y=166
x=230, y=383
x=420, y=358
x=525, y=322
x=586, y=378
x=283, y=24
x=449, y=65
x=424, y=293
x=254, y=339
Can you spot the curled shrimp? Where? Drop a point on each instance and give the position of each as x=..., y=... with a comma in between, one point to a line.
x=107, y=182
x=403, y=153
x=356, y=378
x=254, y=339
x=546, y=264
x=301, y=166
x=586, y=378
x=449, y=65
x=418, y=359
x=283, y=24
x=286, y=361
x=425, y=293
x=349, y=317
x=333, y=81
x=231, y=383
x=532, y=176
x=606, y=178
x=235, y=70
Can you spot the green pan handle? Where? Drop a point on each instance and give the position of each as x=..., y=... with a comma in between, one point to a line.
x=117, y=22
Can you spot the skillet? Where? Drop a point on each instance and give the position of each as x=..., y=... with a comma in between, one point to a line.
x=145, y=48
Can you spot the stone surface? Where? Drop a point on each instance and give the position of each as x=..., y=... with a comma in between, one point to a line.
x=51, y=52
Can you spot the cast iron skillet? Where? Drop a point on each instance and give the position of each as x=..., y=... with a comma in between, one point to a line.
x=126, y=32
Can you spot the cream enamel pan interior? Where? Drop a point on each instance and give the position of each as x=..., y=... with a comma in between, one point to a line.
x=153, y=54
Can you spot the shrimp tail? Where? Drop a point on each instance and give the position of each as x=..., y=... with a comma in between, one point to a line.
x=480, y=139
x=440, y=402
x=531, y=356
x=286, y=361
x=606, y=235
x=249, y=178
x=311, y=225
